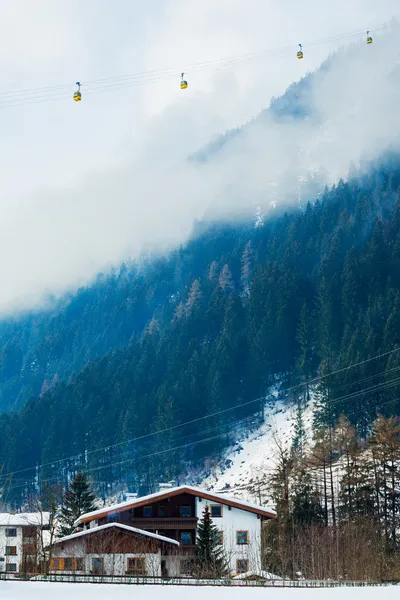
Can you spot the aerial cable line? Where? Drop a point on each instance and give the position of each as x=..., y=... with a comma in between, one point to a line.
x=90, y=470
x=225, y=410
x=23, y=97
x=157, y=453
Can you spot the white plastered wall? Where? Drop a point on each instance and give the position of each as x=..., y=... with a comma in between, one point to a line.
x=10, y=541
x=234, y=520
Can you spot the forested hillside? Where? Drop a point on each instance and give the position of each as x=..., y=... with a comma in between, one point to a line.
x=306, y=293
x=41, y=348
x=277, y=159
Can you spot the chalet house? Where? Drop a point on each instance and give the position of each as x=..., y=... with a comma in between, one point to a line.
x=113, y=549
x=21, y=540
x=156, y=534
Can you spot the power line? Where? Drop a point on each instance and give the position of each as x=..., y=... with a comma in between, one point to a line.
x=224, y=411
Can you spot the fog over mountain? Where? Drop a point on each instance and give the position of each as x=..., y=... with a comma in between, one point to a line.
x=125, y=189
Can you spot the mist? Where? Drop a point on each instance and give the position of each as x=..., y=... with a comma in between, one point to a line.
x=147, y=194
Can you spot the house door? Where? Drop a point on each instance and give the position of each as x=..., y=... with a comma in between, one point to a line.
x=164, y=570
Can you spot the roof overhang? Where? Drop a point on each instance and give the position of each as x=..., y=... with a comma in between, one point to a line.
x=120, y=526
x=137, y=503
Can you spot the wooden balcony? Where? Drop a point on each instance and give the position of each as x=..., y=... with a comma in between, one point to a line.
x=165, y=523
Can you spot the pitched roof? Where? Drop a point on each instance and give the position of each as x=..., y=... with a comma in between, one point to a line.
x=74, y=536
x=183, y=489
x=24, y=519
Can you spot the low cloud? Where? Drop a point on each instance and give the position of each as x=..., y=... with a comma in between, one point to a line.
x=119, y=183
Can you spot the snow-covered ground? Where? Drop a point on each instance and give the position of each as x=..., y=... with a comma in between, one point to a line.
x=10, y=590
x=243, y=472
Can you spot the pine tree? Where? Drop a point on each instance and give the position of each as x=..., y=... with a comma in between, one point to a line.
x=78, y=499
x=194, y=297
x=225, y=279
x=246, y=268
x=299, y=437
x=210, y=557
x=306, y=502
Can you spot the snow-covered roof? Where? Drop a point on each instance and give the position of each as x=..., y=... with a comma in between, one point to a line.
x=194, y=491
x=74, y=536
x=261, y=574
x=28, y=519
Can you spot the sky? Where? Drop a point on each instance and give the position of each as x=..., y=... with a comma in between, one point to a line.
x=87, y=185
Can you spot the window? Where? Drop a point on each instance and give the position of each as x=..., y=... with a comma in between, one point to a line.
x=11, y=567
x=148, y=511
x=97, y=565
x=242, y=537
x=186, y=567
x=186, y=538
x=56, y=564
x=242, y=565
x=185, y=511
x=79, y=566
x=216, y=510
x=161, y=511
x=220, y=537
x=11, y=533
x=68, y=564
x=11, y=550
x=136, y=566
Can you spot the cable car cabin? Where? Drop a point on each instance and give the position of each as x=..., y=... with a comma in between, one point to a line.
x=300, y=54
x=77, y=96
x=184, y=84
x=369, y=40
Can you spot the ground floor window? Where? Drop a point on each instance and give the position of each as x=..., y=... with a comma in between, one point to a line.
x=97, y=566
x=242, y=565
x=136, y=566
x=79, y=564
x=67, y=564
x=11, y=567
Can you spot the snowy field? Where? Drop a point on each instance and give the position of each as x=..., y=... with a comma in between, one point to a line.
x=10, y=590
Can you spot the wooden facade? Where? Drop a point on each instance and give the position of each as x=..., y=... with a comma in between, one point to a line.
x=173, y=517
x=111, y=549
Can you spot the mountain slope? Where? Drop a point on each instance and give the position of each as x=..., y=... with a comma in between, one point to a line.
x=281, y=158
x=307, y=292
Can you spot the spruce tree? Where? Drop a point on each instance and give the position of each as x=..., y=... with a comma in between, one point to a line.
x=78, y=499
x=210, y=557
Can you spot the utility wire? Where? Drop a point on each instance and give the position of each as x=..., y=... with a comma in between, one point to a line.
x=199, y=419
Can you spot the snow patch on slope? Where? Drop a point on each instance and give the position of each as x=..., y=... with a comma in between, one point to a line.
x=244, y=470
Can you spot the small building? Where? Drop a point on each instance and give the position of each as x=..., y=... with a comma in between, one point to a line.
x=113, y=549
x=21, y=541
x=173, y=514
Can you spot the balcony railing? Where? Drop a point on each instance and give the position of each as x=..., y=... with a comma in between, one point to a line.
x=162, y=524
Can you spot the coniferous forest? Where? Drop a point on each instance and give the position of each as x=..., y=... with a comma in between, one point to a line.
x=198, y=337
